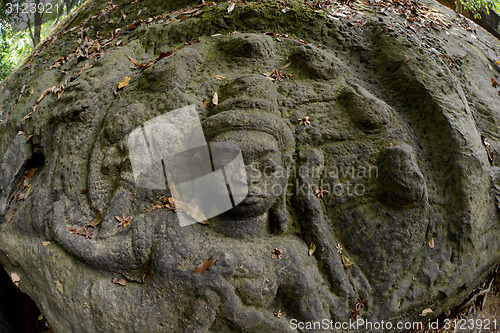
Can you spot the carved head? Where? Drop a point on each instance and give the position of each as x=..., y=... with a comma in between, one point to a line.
x=266, y=143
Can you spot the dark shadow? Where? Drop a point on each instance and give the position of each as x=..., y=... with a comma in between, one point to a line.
x=18, y=312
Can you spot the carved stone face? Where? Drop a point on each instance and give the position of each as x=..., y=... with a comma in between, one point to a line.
x=264, y=171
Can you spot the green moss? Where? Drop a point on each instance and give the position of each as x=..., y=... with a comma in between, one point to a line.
x=302, y=20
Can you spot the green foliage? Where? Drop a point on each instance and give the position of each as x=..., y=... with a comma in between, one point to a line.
x=478, y=6
x=7, y=65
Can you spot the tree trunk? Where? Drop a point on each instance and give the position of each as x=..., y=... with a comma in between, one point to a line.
x=38, y=26
x=69, y=5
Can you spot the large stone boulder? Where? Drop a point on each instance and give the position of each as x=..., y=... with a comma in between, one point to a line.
x=395, y=119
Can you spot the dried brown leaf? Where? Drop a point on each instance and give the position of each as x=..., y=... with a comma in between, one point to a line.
x=95, y=47
x=26, y=117
x=29, y=174
x=192, y=210
x=44, y=93
x=96, y=221
x=431, y=242
x=45, y=243
x=80, y=71
x=15, y=277
x=123, y=83
x=219, y=77
x=12, y=215
x=346, y=261
x=425, y=312
x=215, y=99
x=133, y=61
x=204, y=265
x=124, y=220
x=287, y=65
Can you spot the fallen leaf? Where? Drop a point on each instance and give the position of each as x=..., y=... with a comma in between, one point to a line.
x=425, y=312
x=133, y=61
x=121, y=282
x=124, y=220
x=123, y=83
x=97, y=220
x=287, y=65
x=431, y=243
x=29, y=174
x=29, y=137
x=163, y=55
x=23, y=88
x=407, y=58
x=346, y=261
x=192, y=210
x=26, y=117
x=45, y=243
x=231, y=7
x=80, y=71
x=276, y=253
x=95, y=47
x=494, y=83
x=304, y=120
x=143, y=66
x=74, y=231
x=219, y=77
x=312, y=248
x=23, y=196
x=12, y=215
x=171, y=204
x=16, y=279
x=215, y=99
x=44, y=93
x=204, y=265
